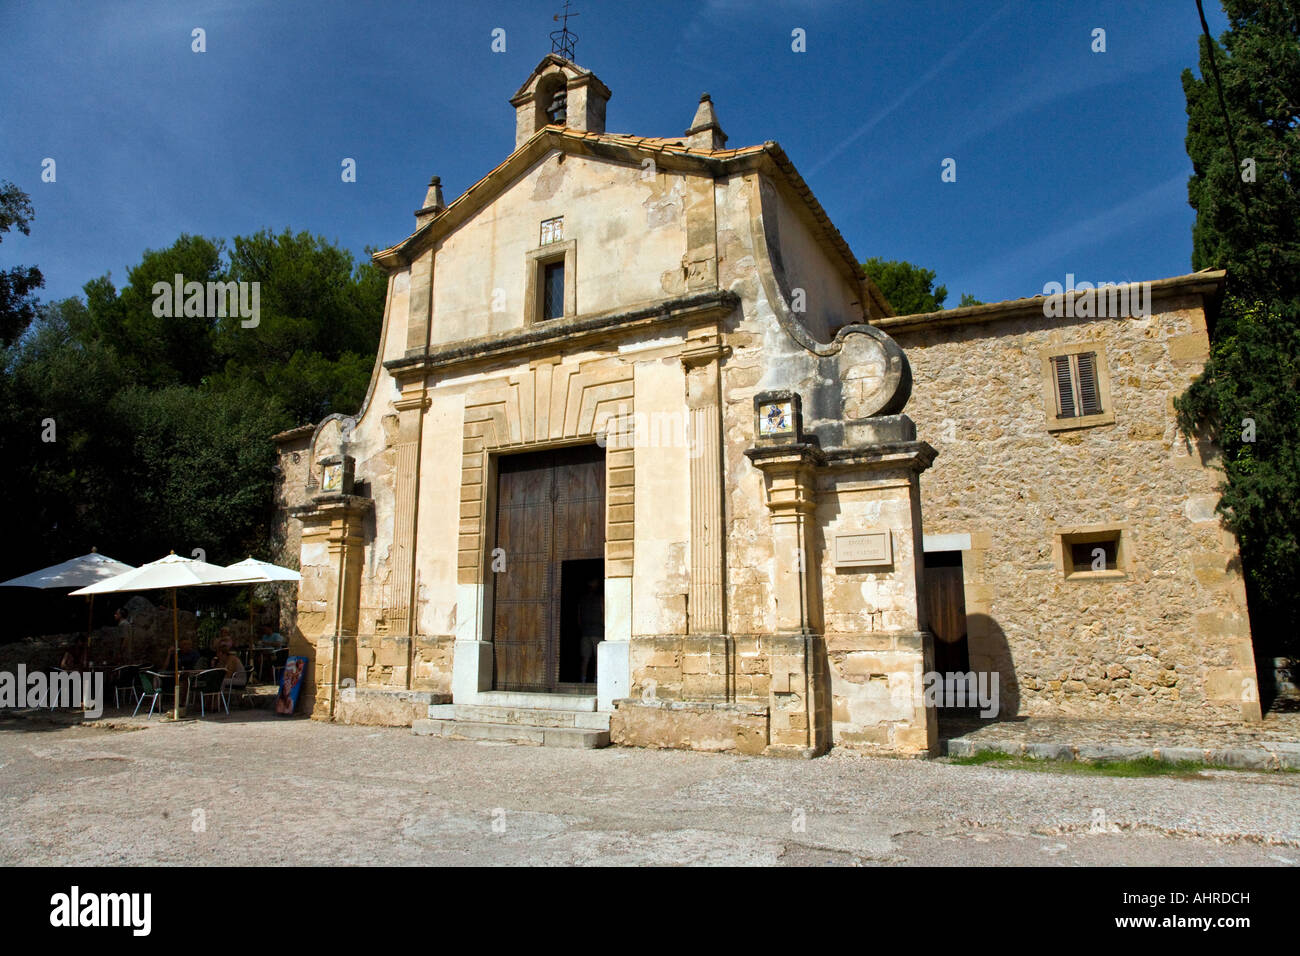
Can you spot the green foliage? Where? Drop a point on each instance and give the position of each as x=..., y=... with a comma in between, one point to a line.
x=1136, y=767
x=319, y=327
x=164, y=350
x=201, y=461
x=18, y=284
x=1252, y=229
x=909, y=289
x=65, y=487
x=319, y=318
x=1248, y=399
x=162, y=425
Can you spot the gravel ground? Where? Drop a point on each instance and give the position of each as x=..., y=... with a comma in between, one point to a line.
x=253, y=790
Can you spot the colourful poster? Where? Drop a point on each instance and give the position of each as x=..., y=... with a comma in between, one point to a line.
x=290, y=685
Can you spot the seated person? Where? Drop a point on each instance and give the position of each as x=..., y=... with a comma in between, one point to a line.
x=74, y=658
x=189, y=656
x=235, y=672
x=271, y=638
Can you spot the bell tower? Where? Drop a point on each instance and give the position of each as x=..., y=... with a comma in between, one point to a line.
x=559, y=93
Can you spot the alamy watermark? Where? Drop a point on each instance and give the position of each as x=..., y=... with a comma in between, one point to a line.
x=209, y=300
x=1104, y=300
x=76, y=909
x=962, y=689
x=60, y=689
x=670, y=429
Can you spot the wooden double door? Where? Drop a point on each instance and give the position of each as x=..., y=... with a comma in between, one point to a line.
x=550, y=517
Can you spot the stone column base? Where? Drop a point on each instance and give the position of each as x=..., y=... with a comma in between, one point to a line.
x=471, y=670
x=613, y=672
x=690, y=725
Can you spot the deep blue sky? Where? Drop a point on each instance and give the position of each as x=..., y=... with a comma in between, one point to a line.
x=1067, y=160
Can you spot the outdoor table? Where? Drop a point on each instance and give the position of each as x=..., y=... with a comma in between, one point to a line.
x=264, y=652
x=187, y=675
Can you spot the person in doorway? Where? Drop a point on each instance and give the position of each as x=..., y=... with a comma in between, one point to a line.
x=591, y=625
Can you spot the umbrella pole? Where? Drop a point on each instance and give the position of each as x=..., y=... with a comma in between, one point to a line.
x=176, y=661
x=90, y=622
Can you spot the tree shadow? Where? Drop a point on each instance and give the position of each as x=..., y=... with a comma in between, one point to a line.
x=989, y=653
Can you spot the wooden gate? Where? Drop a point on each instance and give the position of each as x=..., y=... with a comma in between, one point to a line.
x=550, y=509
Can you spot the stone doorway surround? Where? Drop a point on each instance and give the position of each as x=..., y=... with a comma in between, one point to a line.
x=550, y=405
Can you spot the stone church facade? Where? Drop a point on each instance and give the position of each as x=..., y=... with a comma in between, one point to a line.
x=642, y=381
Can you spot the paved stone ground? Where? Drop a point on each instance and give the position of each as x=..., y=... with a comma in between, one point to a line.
x=1270, y=744
x=279, y=791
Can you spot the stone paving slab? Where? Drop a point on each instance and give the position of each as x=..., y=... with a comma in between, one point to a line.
x=1271, y=744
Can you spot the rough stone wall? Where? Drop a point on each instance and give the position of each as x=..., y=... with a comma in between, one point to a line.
x=689, y=725
x=702, y=667
x=149, y=639
x=384, y=661
x=1170, y=639
x=293, y=474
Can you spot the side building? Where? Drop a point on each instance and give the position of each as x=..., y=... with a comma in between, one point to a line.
x=1071, y=534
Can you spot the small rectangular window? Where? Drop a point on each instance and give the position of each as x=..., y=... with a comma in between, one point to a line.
x=1092, y=554
x=553, y=290
x=1077, y=391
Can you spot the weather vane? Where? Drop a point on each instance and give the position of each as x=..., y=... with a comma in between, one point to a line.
x=563, y=40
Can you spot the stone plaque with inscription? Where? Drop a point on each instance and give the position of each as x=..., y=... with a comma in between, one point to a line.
x=863, y=549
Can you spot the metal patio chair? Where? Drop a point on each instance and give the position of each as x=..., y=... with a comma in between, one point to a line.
x=210, y=683
x=125, y=678
x=153, y=686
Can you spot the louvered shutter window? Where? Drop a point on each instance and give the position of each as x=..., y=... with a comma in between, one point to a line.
x=1089, y=397
x=1064, y=388
x=1077, y=392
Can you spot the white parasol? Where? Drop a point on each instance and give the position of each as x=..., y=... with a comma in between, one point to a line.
x=172, y=572
x=266, y=573
x=75, y=573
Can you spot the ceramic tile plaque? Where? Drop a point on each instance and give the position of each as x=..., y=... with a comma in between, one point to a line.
x=775, y=419
x=552, y=230
x=332, y=479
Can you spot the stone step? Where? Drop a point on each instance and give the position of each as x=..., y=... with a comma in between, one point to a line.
x=526, y=701
x=584, y=719
x=573, y=737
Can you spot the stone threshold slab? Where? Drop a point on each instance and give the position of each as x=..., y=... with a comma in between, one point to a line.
x=1267, y=755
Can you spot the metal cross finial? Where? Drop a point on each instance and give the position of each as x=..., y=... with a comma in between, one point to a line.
x=563, y=40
